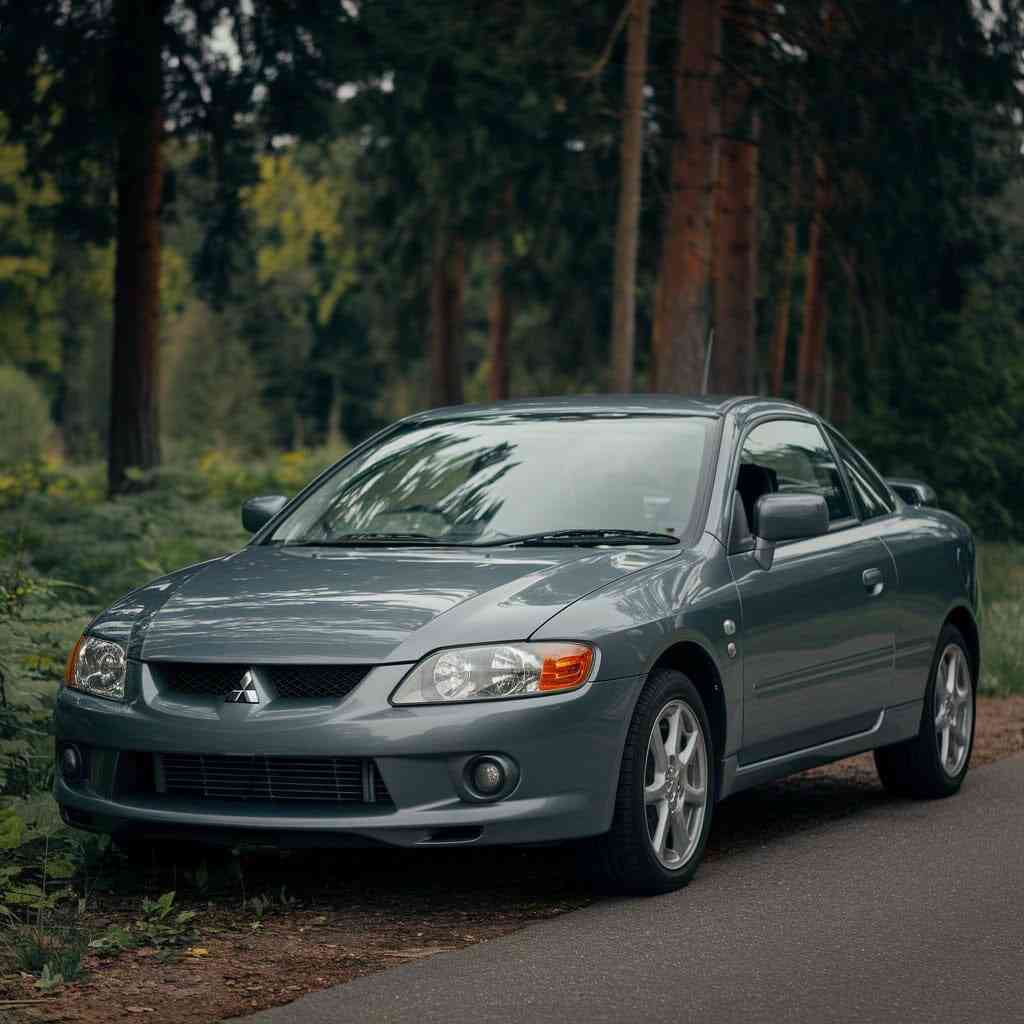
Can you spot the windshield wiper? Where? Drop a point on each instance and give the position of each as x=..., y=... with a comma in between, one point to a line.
x=353, y=539
x=585, y=538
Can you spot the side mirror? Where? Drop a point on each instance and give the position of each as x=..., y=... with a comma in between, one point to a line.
x=780, y=517
x=913, y=492
x=257, y=512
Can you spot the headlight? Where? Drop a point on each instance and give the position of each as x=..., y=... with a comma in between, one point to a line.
x=98, y=667
x=496, y=672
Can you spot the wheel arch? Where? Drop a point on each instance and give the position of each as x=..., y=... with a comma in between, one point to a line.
x=694, y=661
x=963, y=619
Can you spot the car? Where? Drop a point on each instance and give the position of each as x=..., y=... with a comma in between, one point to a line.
x=534, y=622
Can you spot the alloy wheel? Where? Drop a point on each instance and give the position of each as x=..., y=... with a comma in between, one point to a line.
x=954, y=709
x=676, y=784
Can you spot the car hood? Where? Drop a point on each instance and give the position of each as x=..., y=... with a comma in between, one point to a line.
x=271, y=604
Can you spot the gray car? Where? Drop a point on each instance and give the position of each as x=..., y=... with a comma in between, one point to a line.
x=532, y=622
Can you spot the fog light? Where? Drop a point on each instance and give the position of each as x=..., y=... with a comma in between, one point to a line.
x=71, y=764
x=488, y=776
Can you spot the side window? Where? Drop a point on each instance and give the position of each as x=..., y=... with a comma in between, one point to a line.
x=868, y=488
x=790, y=456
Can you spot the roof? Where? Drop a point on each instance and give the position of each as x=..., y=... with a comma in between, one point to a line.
x=667, y=405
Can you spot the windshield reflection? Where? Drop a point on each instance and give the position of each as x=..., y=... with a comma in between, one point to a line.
x=471, y=481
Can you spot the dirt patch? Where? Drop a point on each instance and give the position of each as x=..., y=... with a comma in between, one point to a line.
x=240, y=970
x=331, y=917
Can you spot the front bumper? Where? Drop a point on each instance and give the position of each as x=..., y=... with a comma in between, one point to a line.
x=567, y=747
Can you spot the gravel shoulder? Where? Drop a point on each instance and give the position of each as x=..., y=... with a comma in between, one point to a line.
x=327, y=918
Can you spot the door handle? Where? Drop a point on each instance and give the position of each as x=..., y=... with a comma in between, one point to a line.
x=874, y=581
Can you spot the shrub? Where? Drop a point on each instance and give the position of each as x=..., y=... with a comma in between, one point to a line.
x=54, y=952
x=24, y=418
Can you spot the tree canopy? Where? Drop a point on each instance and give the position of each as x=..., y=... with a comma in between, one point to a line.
x=362, y=209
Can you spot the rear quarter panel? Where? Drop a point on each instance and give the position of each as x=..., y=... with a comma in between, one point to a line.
x=935, y=561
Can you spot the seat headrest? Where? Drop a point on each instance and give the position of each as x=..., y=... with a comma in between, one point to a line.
x=752, y=482
x=740, y=525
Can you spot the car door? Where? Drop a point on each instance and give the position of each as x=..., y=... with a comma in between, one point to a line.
x=933, y=564
x=816, y=635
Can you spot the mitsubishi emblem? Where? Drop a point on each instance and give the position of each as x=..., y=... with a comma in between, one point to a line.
x=246, y=692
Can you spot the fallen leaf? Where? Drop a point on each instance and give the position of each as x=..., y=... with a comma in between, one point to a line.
x=197, y=951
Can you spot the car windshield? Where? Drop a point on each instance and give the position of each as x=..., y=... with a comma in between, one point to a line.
x=606, y=477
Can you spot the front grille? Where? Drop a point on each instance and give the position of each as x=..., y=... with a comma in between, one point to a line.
x=199, y=678
x=312, y=681
x=345, y=780
x=301, y=682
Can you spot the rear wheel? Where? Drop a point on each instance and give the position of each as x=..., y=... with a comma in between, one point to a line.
x=934, y=763
x=665, y=796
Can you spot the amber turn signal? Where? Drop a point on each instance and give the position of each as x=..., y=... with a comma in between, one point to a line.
x=566, y=670
x=69, y=668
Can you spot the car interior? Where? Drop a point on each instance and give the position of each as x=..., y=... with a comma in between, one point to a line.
x=751, y=482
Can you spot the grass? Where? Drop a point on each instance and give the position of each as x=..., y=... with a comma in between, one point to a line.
x=57, y=951
x=1002, y=618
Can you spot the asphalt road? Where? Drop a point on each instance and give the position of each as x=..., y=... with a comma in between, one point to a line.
x=902, y=912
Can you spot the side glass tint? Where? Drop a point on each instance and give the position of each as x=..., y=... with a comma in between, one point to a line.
x=870, y=491
x=790, y=456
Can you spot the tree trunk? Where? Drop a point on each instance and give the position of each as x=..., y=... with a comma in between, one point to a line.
x=780, y=333
x=681, y=313
x=623, y=345
x=446, y=290
x=809, y=355
x=498, y=324
x=736, y=238
x=334, y=432
x=136, y=103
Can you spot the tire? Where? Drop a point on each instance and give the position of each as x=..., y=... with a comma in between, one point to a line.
x=624, y=860
x=917, y=768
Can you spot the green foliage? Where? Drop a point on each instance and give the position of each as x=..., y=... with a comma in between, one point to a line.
x=12, y=828
x=39, y=619
x=214, y=395
x=53, y=952
x=109, y=548
x=24, y=418
x=914, y=110
x=1002, y=585
x=28, y=331
x=39, y=863
x=159, y=925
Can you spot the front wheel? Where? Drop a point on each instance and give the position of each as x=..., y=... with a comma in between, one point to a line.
x=665, y=795
x=934, y=763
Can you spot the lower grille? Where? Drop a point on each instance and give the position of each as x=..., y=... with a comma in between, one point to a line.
x=301, y=682
x=343, y=780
